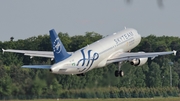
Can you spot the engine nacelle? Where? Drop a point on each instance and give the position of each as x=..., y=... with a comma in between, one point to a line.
x=138, y=62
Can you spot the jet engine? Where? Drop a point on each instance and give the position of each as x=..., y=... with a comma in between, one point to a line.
x=138, y=62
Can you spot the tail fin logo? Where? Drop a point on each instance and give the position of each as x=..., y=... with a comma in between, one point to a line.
x=57, y=46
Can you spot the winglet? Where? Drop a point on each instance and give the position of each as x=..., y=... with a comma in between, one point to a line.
x=174, y=52
x=3, y=50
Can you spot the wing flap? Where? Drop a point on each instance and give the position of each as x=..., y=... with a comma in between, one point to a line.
x=39, y=55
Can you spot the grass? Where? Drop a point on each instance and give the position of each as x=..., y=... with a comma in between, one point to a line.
x=115, y=99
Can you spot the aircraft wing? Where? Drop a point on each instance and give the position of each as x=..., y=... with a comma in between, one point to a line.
x=47, y=54
x=119, y=57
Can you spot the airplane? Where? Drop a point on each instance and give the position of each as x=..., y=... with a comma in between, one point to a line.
x=114, y=48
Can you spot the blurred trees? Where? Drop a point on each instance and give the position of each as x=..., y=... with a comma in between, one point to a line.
x=149, y=80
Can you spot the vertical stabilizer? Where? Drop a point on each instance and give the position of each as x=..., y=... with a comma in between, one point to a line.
x=59, y=51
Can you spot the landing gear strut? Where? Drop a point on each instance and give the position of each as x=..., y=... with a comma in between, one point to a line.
x=119, y=72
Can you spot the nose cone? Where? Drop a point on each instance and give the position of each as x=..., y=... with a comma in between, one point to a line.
x=138, y=36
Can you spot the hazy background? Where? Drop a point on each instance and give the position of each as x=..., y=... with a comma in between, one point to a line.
x=26, y=18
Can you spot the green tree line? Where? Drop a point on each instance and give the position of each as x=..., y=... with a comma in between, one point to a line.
x=151, y=79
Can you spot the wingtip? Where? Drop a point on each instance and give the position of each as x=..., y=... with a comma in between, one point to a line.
x=3, y=50
x=174, y=52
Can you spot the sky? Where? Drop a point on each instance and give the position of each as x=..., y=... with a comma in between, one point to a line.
x=22, y=19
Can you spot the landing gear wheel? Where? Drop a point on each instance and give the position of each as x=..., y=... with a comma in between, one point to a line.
x=121, y=73
x=116, y=73
x=82, y=74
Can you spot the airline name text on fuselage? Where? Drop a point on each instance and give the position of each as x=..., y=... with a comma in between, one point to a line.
x=124, y=37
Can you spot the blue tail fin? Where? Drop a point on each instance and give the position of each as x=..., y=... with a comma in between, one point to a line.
x=59, y=51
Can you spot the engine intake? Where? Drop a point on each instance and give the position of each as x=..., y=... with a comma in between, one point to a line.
x=138, y=62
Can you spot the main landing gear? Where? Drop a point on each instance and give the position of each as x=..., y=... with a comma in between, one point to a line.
x=119, y=72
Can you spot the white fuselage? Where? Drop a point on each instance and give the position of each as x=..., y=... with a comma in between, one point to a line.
x=96, y=54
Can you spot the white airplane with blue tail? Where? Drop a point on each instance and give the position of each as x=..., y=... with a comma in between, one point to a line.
x=114, y=48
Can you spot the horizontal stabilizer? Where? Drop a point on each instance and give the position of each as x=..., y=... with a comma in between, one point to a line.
x=37, y=66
